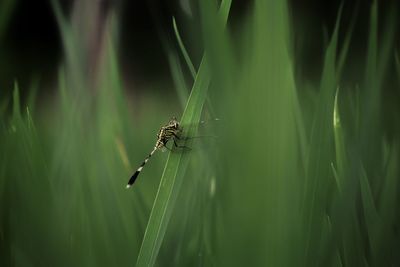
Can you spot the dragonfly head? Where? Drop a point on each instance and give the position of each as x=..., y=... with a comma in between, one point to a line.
x=173, y=123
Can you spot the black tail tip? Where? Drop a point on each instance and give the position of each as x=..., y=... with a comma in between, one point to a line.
x=132, y=180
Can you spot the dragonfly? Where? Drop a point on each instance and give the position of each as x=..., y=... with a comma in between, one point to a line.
x=170, y=132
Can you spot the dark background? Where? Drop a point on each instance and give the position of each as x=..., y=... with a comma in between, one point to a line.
x=31, y=46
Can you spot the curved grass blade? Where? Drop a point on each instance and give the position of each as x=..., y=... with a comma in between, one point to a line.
x=178, y=77
x=189, y=62
x=172, y=177
x=183, y=50
x=320, y=151
x=397, y=61
x=175, y=167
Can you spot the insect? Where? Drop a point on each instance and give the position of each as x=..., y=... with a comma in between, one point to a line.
x=171, y=131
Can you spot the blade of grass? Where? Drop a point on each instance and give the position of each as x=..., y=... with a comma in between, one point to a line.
x=397, y=62
x=33, y=93
x=16, y=103
x=339, y=141
x=178, y=77
x=371, y=219
x=183, y=50
x=172, y=176
x=345, y=47
x=189, y=64
x=175, y=167
x=377, y=62
x=320, y=159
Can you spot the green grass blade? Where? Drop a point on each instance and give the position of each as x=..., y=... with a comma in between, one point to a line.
x=178, y=77
x=174, y=170
x=345, y=48
x=172, y=176
x=34, y=87
x=397, y=60
x=318, y=173
x=339, y=140
x=183, y=50
x=370, y=212
x=177, y=69
x=382, y=241
x=16, y=103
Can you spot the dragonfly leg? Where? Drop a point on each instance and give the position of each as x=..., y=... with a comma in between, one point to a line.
x=167, y=147
x=180, y=138
x=179, y=146
x=177, y=136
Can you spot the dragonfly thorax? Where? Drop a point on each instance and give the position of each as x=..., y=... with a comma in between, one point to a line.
x=167, y=132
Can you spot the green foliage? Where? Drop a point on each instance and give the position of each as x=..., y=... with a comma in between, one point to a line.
x=298, y=176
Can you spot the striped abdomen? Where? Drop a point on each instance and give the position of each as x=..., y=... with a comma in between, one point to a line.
x=135, y=175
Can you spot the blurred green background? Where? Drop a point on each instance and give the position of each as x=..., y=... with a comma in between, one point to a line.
x=302, y=169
